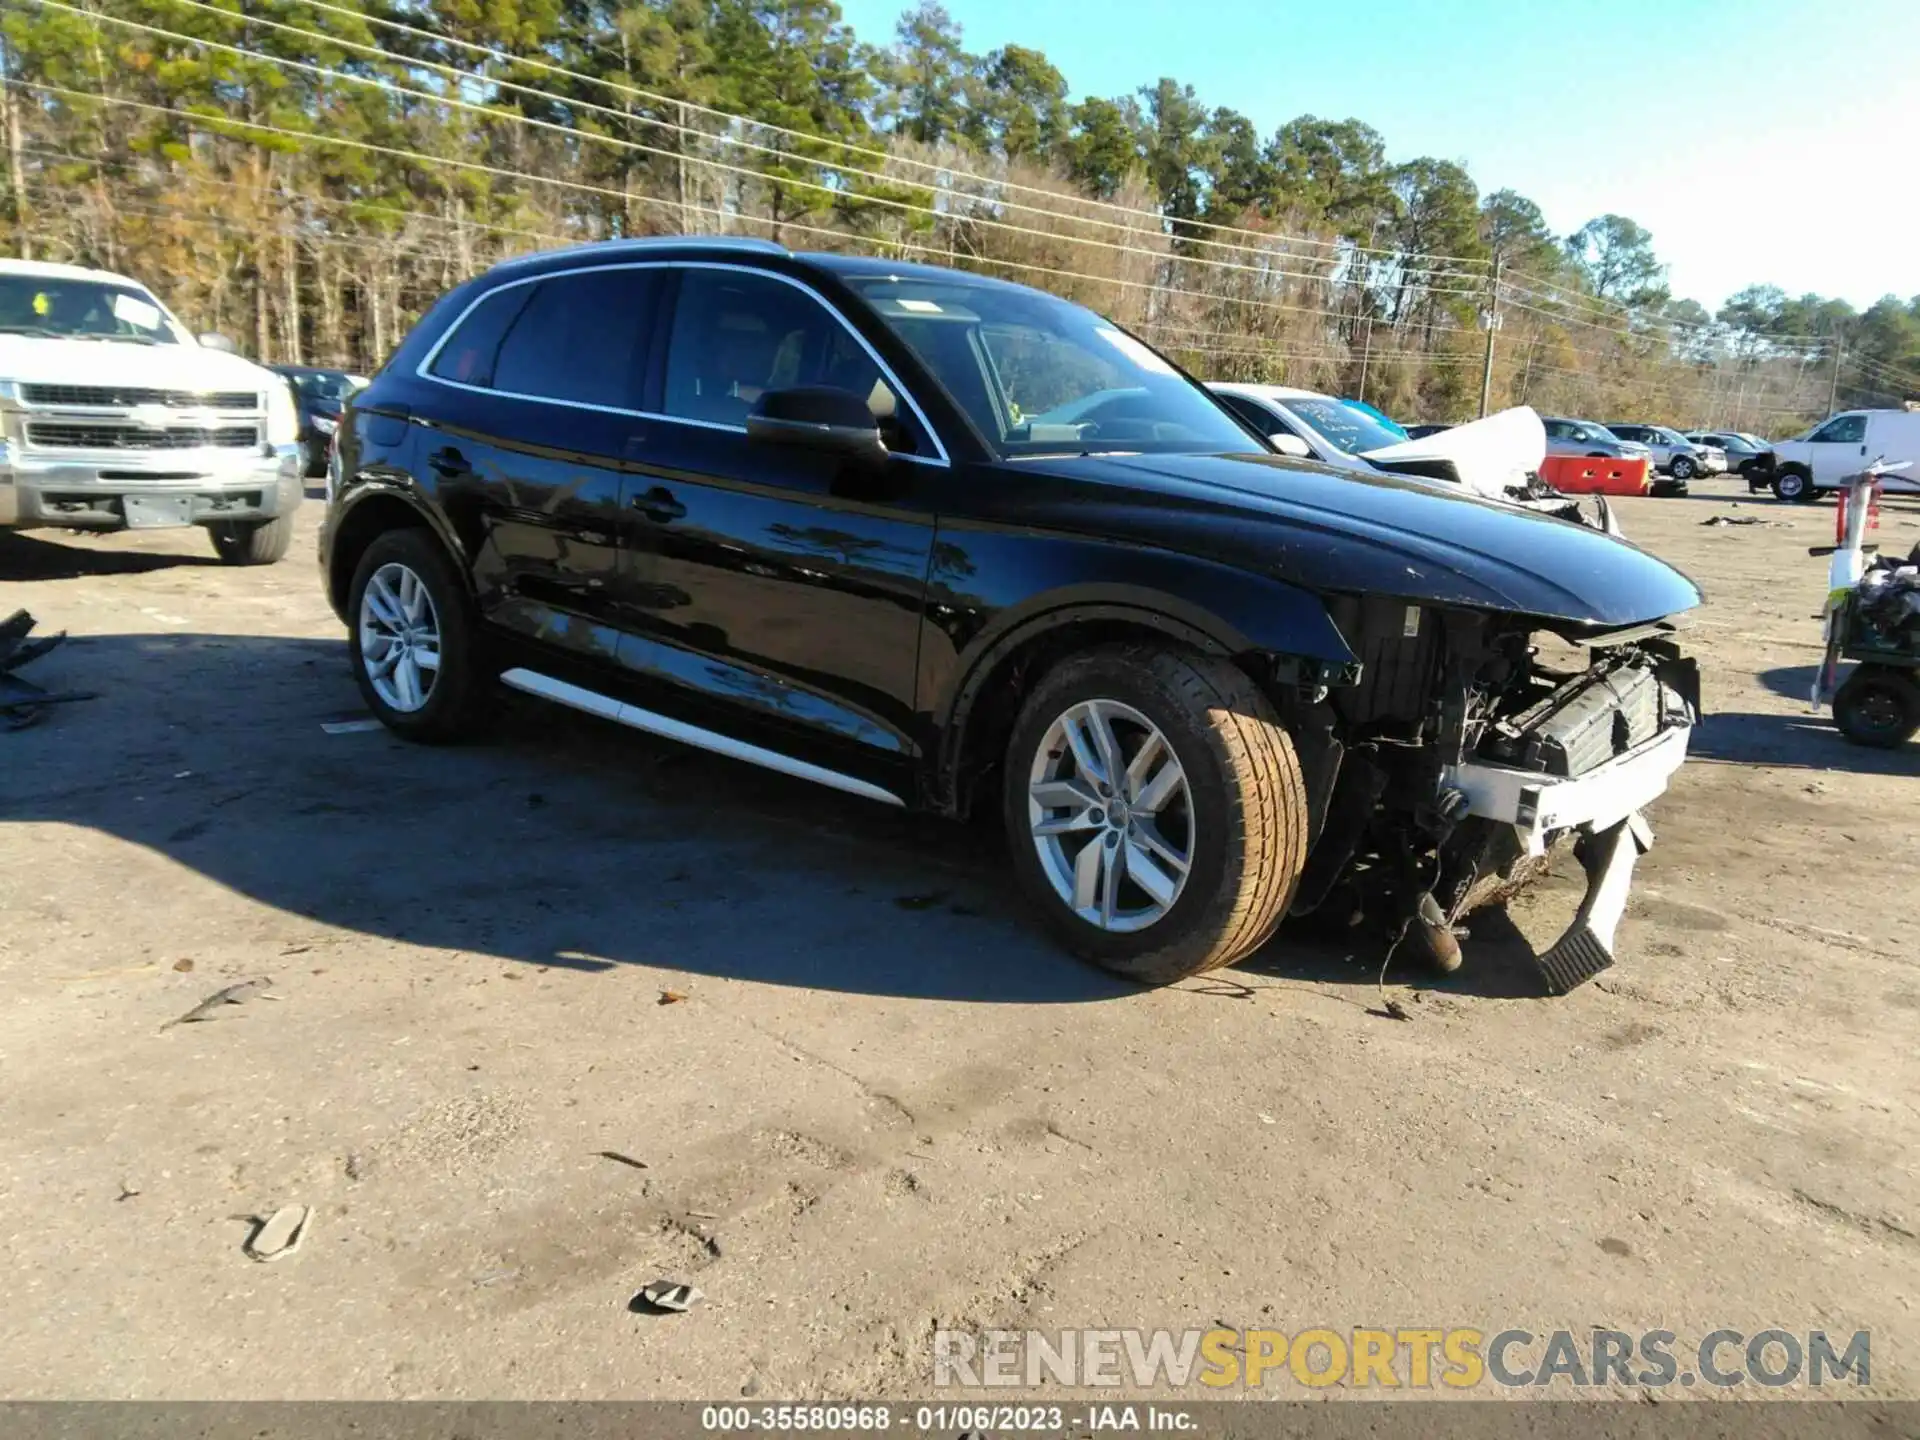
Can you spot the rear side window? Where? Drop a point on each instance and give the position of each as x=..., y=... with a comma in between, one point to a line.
x=581, y=337
x=468, y=354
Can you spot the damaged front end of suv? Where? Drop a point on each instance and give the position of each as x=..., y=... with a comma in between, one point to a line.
x=1468, y=747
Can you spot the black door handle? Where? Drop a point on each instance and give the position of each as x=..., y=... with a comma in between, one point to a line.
x=450, y=464
x=659, y=504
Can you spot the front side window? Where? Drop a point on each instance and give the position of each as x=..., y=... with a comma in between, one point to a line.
x=1254, y=415
x=1040, y=376
x=63, y=309
x=1847, y=430
x=737, y=335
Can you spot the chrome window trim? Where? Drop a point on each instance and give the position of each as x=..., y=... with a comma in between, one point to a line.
x=423, y=370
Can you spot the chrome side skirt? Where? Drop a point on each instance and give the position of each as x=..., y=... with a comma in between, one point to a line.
x=607, y=708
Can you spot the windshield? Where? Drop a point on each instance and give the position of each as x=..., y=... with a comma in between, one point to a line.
x=1354, y=431
x=1040, y=376
x=1386, y=422
x=1670, y=437
x=1592, y=433
x=65, y=309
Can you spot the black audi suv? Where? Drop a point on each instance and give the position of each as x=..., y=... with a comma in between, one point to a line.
x=947, y=542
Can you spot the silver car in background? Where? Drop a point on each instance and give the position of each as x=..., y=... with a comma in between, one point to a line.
x=1584, y=437
x=1672, y=451
x=1745, y=453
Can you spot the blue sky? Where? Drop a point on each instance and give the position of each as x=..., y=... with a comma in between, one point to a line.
x=1770, y=141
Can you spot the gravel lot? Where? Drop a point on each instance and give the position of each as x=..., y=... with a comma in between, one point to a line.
x=885, y=1103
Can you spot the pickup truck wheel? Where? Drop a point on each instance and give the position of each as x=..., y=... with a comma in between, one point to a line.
x=1792, y=485
x=1878, y=706
x=1155, y=810
x=411, y=639
x=252, y=542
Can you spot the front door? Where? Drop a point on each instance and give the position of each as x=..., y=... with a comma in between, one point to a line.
x=1838, y=449
x=526, y=454
x=768, y=587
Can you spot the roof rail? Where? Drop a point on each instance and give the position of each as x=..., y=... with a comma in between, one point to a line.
x=750, y=243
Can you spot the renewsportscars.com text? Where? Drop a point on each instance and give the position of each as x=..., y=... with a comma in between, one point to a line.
x=1455, y=1358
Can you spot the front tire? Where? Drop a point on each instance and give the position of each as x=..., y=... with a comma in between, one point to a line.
x=1682, y=468
x=412, y=640
x=1793, y=486
x=1155, y=810
x=1878, y=706
x=252, y=542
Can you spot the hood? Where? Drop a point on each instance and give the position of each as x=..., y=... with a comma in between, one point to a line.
x=1338, y=531
x=1488, y=456
x=108, y=362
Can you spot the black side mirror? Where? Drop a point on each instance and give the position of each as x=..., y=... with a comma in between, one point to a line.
x=818, y=417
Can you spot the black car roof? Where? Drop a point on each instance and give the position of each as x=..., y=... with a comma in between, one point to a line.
x=732, y=247
x=905, y=269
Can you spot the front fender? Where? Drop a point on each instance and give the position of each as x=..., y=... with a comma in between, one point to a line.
x=1021, y=588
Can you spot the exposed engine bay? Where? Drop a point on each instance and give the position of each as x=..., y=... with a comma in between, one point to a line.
x=1472, y=746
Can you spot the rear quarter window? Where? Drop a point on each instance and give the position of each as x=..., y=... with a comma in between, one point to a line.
x=579, y=337
x=470, y=350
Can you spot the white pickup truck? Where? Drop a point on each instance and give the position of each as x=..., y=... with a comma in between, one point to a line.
x=113, y=415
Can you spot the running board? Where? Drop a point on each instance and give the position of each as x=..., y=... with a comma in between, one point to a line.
x=607, y=708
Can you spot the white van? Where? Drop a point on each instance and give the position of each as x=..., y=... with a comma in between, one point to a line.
x=1846, y=445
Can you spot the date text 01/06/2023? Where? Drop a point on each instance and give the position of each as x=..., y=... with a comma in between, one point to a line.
x=943, y=1419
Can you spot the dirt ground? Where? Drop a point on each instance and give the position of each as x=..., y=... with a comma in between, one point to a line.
x=885, y=1103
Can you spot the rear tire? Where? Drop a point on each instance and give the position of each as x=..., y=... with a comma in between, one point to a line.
x=1878, y=706
x=1793, y=486
x=1239, y=822
x=252, y=542
x=437, y=688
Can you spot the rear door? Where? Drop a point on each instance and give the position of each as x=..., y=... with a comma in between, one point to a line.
x=544, y=379
x=1895, y=434
x=773, y=590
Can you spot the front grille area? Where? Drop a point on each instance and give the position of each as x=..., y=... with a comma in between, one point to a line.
x=122, y=396
x=69, y=435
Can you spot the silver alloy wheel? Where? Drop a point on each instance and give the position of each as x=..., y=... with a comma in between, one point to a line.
x=1683, y=469
x=1111, y=815
x=399, y=637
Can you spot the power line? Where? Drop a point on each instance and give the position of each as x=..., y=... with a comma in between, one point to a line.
x=1156, y=219
x=215, y=122
x=837, y=193
x=503, y=57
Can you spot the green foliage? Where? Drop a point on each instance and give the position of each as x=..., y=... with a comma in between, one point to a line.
x=1617, y=255
x=405, y=160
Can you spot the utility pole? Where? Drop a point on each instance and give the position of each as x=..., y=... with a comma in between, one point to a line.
x=1493, y=323
x=1366, y=353
x=1833, y=380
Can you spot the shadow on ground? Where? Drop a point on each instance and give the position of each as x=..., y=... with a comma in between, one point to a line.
x=26, y=555
x=1801, y=740
x=559, y=841
x=566, y=842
